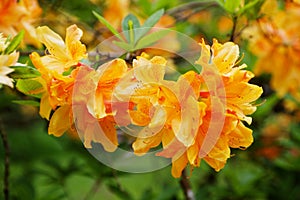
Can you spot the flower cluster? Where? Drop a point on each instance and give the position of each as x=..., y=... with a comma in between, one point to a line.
x=275, y=40
x=198, y=116
x=57, y=76
x=20, y=15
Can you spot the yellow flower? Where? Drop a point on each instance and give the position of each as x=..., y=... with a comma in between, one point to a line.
x=58, y=88
x=115, y=11
x=62, y=55
x=160, y=105
x=238, y=92
x=57, y=96
x=108, y=75
x=239, y=95
x=92, y=102
x=275, y=40
x=20, y=15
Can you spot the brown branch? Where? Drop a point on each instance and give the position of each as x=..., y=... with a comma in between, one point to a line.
x=186, y=186
x=27, y=53
x=184, y=11
x=6, y=160
x=94, y=189
x=232, y=35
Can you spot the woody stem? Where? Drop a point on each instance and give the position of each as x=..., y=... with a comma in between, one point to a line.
x=232, y=35
x=6, y=160
x=186, y=186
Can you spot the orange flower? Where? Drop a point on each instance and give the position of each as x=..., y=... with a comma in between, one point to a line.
x=57, y=96
x=58, y=88
x=238, y=104
x=160, y=105
x=275, y=40
x=18, y=15
x=62, y=55
x=92, y=103
x=115, y=12
x=239, y=93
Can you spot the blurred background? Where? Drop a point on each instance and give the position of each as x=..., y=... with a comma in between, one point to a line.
x=46, y=167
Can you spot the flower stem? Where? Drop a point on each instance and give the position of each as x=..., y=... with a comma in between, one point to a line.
x=94, y=189
x=186, y=186
x=232, y=35
x=6, y=160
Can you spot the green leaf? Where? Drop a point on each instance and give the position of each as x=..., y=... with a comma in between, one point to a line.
x=108, y=25
x=151, y=38
x=21, y=72
x=295, y=130
x=30, y=87
x=27, y=102
x=148, y=24
x=129, y=24
x=230, y=5
x=248, y=6
x=15, y=42
x=127, y=47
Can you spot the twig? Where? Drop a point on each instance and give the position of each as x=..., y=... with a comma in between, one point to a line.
x=184, y=11
x=232, y=36
x=94, y=189
x=6, y=160
x=27, y=53
x=186, y=187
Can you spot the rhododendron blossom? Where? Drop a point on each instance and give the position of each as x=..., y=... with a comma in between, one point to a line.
x=20, y=15
x=58, y=87
x=135, y=98
x=275, y=40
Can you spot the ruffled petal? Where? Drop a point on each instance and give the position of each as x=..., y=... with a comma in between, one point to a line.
x=54, y=43
x=75, y=48
x=241, y=137
x=152, y=71
x=178, y=165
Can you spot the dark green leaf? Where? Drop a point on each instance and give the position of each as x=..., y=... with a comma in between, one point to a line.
x=21, y=72
x=108, y=25
x=295, y=130
x=27, y=102
x=15, y=42
x=129, y=24
x=149, y=23
x=151, y=38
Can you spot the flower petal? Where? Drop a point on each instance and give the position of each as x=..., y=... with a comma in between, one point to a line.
x=54, y=43
x=152, y=71
x=75, y=48
x=45, y=107
x=178, y=165
x=60, y=121
x=241, y=137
